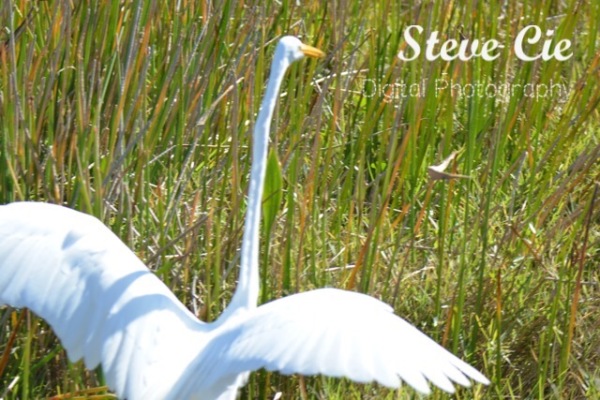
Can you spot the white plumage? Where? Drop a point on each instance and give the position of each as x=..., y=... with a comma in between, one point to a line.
x=108, y=308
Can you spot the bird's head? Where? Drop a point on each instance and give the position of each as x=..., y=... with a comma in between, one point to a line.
x=292, y=49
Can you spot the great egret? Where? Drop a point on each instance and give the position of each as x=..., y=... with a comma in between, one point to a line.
x=109, y=309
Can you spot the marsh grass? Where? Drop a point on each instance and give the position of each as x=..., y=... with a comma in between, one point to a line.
x=140, y=112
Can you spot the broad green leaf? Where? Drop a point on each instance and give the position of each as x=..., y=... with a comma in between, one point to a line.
x=273, y=191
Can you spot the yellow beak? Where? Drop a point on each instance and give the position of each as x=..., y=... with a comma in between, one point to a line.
x=310, y=51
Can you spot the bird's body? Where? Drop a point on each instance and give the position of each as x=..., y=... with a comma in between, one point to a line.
x=109, y=309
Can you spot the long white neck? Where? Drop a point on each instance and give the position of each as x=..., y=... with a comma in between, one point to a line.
x=246, y=294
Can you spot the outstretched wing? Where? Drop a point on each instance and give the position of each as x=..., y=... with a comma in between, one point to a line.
x=100, y=299
x=335, y=333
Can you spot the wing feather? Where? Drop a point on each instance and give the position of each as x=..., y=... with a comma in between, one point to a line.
x=99, y=298
x=335, y=333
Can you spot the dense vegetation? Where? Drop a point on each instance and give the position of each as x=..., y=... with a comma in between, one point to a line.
x=140, y=113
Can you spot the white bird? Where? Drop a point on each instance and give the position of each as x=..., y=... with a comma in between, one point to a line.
x=109, y=309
